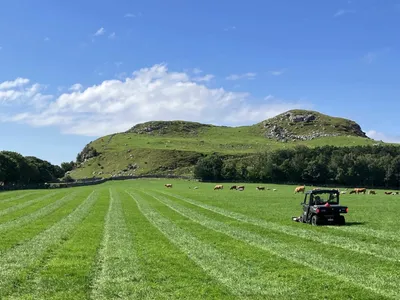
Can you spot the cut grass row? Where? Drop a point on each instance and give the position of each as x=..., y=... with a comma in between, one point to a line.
x=134, y=240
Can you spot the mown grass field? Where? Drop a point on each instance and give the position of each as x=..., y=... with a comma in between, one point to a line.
x=139, y=240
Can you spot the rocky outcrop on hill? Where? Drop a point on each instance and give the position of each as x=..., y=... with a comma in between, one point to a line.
x=299, y=125
x=168, y=127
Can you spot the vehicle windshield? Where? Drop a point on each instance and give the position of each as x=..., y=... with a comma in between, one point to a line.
x=322, y=199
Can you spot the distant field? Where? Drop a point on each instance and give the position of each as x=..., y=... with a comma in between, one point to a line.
x=139, y=240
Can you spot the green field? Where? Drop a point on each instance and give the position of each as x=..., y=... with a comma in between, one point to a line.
x=138, y=240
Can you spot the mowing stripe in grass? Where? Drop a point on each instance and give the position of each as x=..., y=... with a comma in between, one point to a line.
x=118, y=275
x=26, y=204
x=37, y=214
x=168, y=272
x=230, y=272
x=67, y=272
x=19, y=197
x=380, y=250
x=13, y=262
x=362, y=276
x=380, y=234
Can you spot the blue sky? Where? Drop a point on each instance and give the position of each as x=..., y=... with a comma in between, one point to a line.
x=73, y=71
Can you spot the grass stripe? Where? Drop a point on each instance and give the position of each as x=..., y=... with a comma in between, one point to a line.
x=37, y=214
x=378, y=250
x=13, y=262
x=168, y=272
x=370, y=232
x=364, y=277
x=118, y=275
x=20, y=235
x=26, y=204
x=234, y=275
x=18, y=197
x=66, y=275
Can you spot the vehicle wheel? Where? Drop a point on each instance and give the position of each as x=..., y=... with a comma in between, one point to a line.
x=301, y=219
x=315, y=220
x=341, y=220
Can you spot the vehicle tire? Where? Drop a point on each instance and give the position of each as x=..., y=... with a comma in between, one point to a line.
x=315, y=220
x=341, y=221
x=301, y=220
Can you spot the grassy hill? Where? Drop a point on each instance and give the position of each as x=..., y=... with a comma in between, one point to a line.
x=175, y=146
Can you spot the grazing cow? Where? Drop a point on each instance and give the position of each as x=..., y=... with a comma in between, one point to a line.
x=260, y=188
x=299, y=189
x=240, y=187
x=233, y=187
x=168, y=185
x=371, y=193
x=388, y=193
x=343, y=192
x=196, y=187
x=218, y=187
x=274, y=190
x=359, y=190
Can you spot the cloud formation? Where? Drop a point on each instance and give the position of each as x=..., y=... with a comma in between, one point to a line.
x=277, y=72
x=248, y=75
x=343, y=12
x=153, y=93
x=100, y=31
x=19, y=93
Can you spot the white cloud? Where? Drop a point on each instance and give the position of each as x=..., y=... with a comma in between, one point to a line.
x=277, y=72
x=19, y=82
x=112, y=36
x=343, y=12
x=100, y=31
x=204, y=78
x=19, y=92
x=240, y=76
x=153, y=93
x=76, y=87
x=197, y=71
x=379, y=136
x=230, y=28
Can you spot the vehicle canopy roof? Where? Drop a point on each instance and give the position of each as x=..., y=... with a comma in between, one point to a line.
x=323, y=191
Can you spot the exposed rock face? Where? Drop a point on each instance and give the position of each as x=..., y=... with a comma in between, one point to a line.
x=286, y=127
x=164, y=127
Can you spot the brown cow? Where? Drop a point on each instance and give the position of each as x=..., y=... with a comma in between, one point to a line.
x=233, y=187
x=388, y=193
x=260, y=188
x=371, y=193
x=168, y=185
x=360, y=190
x=240, y=187
x=218, y=187
x=299, y=189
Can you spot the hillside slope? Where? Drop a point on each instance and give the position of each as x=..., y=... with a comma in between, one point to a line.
x=160, y=147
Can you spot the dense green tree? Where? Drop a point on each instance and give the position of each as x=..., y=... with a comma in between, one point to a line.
x=373, y=166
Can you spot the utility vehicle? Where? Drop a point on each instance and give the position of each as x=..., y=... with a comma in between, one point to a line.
x=321, y=207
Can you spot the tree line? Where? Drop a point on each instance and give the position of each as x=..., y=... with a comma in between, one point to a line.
x=25, y=170
x=372, y=166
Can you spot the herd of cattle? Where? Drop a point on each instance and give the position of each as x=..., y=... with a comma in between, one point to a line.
x=302, y=188
x=299, y=189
